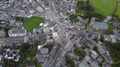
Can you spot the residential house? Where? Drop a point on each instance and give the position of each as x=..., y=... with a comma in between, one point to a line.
x=52, y=25
x=81, y=41
x=3, y=25
x=108, y=18
x=100, y=59
x=16, y=42
x=46, y=30
x=39, y=9
x=94, y=64
x=16, y=32
x=44, y=50
x=12, y=54
x=49, y=41
x=26, y=39
x=116, y=23
x=12, y=22
x=73, y=56
x=32, y=41
x=78, y=26
x=104, y=64
x=118, y=36
x=2, y=33
x=113, y=37
x=41, y=58
x=34, y=31
x=19, y=23
x=108, y=58
x=107, y=38
x=82, y=20
x=31, y=66
x=94, y=54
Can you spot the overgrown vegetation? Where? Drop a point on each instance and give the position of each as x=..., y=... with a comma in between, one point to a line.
x=114, y=49
x=70, y=62
x=80, y=53
x=48, y=46
x=20, y=19
x=6, y=32
x=26, y=51
x=85, y=10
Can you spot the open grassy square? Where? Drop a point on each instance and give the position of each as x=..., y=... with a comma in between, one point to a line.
x=33, y=22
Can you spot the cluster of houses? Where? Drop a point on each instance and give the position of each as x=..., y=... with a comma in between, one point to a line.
x=8, y=54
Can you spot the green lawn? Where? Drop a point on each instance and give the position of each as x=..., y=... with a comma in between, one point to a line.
x=102, y=6
x=111, y=2
x=33, y=22
x=118, y=11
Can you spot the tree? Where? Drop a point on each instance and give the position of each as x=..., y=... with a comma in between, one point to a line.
x=102, y=39
x=87, y=2
x=81, y=7
x=24, y=47
x=80, y=3
x=88, y=7
x=93, y=14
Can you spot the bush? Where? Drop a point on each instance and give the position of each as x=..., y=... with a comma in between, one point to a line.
x=70, y=62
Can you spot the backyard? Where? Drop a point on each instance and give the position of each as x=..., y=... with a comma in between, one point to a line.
x=33, y=22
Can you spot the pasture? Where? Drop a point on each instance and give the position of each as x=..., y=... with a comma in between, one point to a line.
x=118, y=11
x=101, y=7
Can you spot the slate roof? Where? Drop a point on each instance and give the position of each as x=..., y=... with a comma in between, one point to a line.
x=100, y=25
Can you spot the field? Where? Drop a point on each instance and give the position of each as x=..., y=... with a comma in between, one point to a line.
x=81, y=0
x=33, y=22
x=101, y=7
x=111, y=2
x=118, y=11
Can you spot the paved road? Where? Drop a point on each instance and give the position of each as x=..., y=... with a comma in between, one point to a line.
x=50, y=14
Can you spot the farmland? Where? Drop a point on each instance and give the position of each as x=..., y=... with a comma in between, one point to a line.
x=111, y=2
x=106, y=9
x=118, y=11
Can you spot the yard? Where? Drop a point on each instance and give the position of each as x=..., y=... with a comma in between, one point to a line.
x=118, y=11
x=102, y=6
x=33, y=22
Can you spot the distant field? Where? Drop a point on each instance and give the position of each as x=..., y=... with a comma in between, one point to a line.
x=111, y=2
x=101, y=6
x=118, y=11
x=100, y=11
x=81, y=0
x=33, y=22
x=104, y=7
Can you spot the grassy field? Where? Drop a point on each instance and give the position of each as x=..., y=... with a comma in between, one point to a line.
x=33, y=22
x=111, y=2
x=81, y=0
x=118, y=11
x=101, y=6
x=100, y=11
